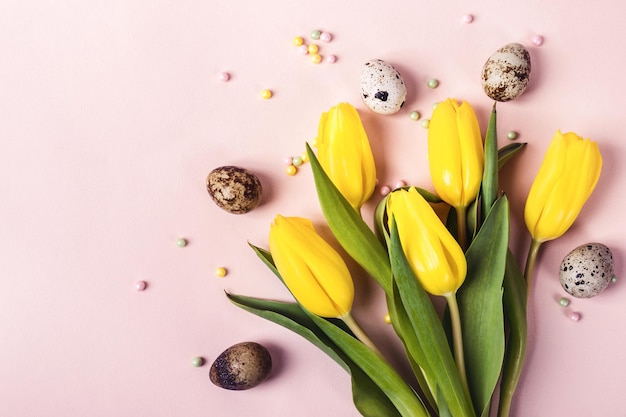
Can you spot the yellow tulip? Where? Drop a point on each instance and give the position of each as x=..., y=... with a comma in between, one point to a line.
x=345, y=154
x=566, y=178
x=455, y=152
x=313, y=271
x=432, y=252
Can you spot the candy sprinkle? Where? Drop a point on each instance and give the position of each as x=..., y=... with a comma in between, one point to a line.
x=141, y=285
x=303, y=49
x=297, y=161
x=575, y=316
x=326, y=37
x=331, y=59
x=400, y=184
x=563, y=302
x=468, y=18
x=224, y=76
x=291, y=170
x=266, y=94
x=537, y=40
x=414, y=115
x=432, y=83
x=384, y=190
x=298, y=40
x=315, y=34
x=316, y=58
x=511, y=135
x=425, y=123
x=197, y=361
x=221, y=272
x=181, y=243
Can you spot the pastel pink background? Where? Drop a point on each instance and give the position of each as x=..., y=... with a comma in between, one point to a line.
x=112, y=115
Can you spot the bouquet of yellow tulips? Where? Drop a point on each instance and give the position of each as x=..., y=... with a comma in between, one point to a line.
x=413, y=255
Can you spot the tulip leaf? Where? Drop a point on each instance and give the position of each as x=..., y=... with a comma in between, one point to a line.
x=489, y=186
x=429, y=331
x=369, y=398
x=509, y=151
x=412, y=346
x=515, y=310
x=352, y=233
x=267, y=259
x=381, y=373
x=480, y=304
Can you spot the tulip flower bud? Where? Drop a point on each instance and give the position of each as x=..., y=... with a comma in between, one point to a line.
x=432, y=252
x=345, y=154
x=313, y=271
x=455, y=153
x=566, y=178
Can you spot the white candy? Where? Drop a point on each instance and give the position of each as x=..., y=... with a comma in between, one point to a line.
x=382, y=87
x=587, y=270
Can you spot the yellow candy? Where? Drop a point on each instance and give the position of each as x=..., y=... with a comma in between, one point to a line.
x=387, y=318
x=305, y=157
x=313, y=49
x=266, y=94
x=297, y=41
x=291, y=170
x=220, y=272
x=316, y=58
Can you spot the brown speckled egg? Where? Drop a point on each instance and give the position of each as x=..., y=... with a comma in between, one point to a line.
x=234, y=189
x=587, y=270
x=241, y=366
x=506, y=73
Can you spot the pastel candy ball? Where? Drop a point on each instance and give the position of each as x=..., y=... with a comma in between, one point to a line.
x=382, y=88
x=587, y=270
x=241, y=366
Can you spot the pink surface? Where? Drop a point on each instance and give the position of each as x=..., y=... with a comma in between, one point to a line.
x=112, y=114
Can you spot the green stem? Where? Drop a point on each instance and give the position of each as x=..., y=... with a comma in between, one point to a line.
x=359, y=333
x=461, y=225
x=533, y=250
x=457, y=339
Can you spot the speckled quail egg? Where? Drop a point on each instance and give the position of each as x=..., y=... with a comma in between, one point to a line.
x=234, y=189
x=506, y=73
x=382, y=88
x=241, y=366
x=587, y=270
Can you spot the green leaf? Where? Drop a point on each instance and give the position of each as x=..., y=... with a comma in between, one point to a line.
x=489, y=186
x=412, y=346
x=267, y=259
x=480, y=304
x=515, y=310
x=509, y=151
x=368, y=398
x=429, y=331
x=382, y=374
x=352, y=233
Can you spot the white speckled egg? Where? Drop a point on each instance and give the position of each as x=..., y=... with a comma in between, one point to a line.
x=587, y=270
x=506, y=73
x=382, y=87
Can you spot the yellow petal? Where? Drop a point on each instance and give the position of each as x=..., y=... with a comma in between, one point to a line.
x=313, y=271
